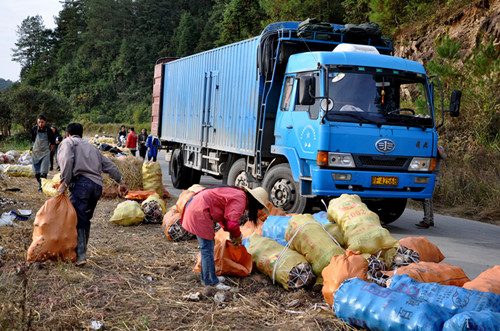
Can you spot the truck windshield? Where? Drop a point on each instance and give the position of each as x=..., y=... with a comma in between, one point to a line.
x=379, y=97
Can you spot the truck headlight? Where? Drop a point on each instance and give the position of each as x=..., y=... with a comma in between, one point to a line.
x=420, y=164
x=343, y=160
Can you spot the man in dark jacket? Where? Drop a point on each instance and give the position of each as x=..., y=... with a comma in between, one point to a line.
x=43, y=140
x=58, y=139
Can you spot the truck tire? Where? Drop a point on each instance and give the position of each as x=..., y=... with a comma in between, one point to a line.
x=283, y=191
x=388, y=210
x=181, y=175
x=237, y=175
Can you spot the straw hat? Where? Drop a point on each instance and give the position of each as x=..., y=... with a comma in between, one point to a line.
x=258, y=194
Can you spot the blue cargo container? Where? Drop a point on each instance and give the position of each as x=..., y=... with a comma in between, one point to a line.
x=304, y=117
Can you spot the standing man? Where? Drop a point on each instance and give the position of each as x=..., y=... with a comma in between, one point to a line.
x=81, y=166
x=53, y=152
x=153, y=145
x=428, y=205
x=132, y=141
x=43, y=141
x=142, y=143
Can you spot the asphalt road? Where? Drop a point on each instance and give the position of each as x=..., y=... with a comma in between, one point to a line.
x=473, y=246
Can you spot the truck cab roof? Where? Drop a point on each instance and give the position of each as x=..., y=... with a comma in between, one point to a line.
x=309, y=61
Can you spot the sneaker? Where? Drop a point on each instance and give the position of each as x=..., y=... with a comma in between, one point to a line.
x=422, y=225
x=222, y=287
x=221, y=279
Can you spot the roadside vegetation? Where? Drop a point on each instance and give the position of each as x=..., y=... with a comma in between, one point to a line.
x=97, y=66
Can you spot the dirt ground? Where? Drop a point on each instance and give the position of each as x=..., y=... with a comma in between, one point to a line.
x=135, y=280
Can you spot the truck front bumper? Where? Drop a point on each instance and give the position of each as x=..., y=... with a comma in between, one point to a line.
x=409, y=185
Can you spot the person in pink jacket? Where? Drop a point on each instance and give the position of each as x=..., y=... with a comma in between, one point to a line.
x=224, y=205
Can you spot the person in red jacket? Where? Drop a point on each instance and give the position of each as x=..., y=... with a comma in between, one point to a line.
x=225, y=205
x=132, y=141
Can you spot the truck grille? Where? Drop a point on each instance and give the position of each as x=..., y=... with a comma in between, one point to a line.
x=385, y=162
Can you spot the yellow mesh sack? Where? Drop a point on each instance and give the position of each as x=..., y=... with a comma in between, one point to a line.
x=308, y=237
x=279, y=263
x=152, y=177
x=361, y=227
x=128, y=213
x=16, y=170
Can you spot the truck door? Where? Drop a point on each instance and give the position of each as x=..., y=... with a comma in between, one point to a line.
x=283, y=118
x=299, y=124
x=210, y=96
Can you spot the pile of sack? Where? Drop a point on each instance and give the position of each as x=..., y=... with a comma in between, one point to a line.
x=15, y=164
x=142, y=207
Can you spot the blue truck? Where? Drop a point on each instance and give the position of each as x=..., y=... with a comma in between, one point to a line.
x=305, y=114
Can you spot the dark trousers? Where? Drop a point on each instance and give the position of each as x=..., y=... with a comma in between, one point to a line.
x=53, y=153
x=84, y=195
x=151, y=157
x=142, y=151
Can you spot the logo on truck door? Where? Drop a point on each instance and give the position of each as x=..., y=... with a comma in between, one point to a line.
x=385, y=145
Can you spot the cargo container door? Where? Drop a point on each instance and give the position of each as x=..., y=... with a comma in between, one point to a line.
x=210, y=96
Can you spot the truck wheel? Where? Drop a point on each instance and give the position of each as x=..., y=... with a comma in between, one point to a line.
x=388, y=210
x=237, y=175
x=180, y=174
x=283, y=191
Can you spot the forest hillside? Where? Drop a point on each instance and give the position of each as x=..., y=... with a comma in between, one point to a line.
x=96, y=66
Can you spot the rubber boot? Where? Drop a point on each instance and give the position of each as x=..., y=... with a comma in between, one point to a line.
x=38, y=178
x=81, y=246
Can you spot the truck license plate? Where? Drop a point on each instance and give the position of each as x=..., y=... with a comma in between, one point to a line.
x=385, y=180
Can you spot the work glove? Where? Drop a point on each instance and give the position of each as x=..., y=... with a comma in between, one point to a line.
x=237, y=241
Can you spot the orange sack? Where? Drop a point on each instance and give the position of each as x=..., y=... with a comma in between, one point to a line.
x=341, y=268
x=54, y=233
x=246, y=229
x=487, y=281
x=430, y=272
x=139, y=195
x=172, y=227
x=229, y=260
x=186, y=195
x=426, y=250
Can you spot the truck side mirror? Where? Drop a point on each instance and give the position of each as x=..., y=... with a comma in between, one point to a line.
x=456, y=95
x=307, y=90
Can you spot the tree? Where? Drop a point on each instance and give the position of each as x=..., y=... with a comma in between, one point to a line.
x=356, y=11
x=5, y=84
x=27, y=102
x=293, y=10
x=32, y=44
x=241, y=20
x=186, y=36
x=5, y=113
x=212, y=29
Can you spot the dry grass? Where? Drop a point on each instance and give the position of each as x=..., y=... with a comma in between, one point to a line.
x=136, y=280
x=131, y=169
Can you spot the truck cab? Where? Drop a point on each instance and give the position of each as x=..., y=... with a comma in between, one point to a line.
x=359, y=123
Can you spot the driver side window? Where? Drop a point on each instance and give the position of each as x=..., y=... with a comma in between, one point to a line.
x=312, y=110
x=287, y=94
